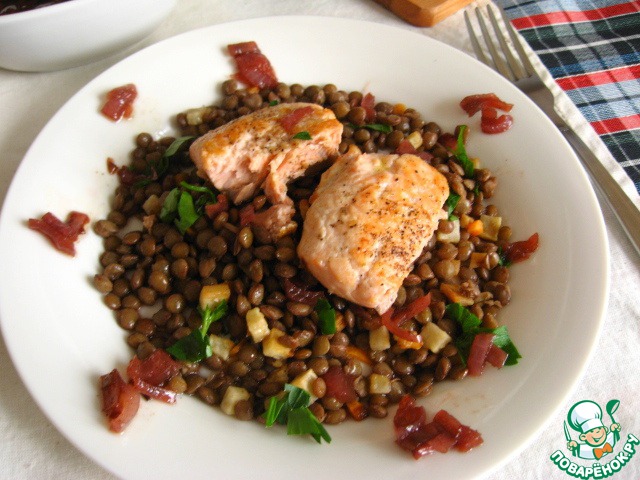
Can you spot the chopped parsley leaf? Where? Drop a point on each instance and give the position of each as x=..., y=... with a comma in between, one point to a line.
x=450, y=204
x=304, y=135
x=326, y=317
x=195, y=346
x=471, y=326
x=291, y=408
x=461, y=154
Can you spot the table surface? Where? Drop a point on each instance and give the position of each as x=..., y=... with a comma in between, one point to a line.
x=30, y=447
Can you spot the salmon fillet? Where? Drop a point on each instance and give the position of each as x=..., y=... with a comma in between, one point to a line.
x=258, y=150
x=370, y=218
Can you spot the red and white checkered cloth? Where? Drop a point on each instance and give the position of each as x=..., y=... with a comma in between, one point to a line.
x=592, y=49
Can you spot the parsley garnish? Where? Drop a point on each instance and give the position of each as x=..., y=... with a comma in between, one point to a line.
x=180, y=208
x=461, y=154
x=208, y=195
x=195, y=346
x=450, y=204
x=170, y=206
x=187, y=214
x=292, y=409
x=155, y=170
x=471, y=326
x=378, y=127
x=177, y=145
x=503, y=261
x=304, y=135
x=326, y=317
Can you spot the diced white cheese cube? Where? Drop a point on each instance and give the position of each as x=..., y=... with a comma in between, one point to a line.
x=490, y=227
x=257, y=325
x=453, y=236
x=379, y=339
x=220, y=346
x=379, y=384
x=211, y=295
x=271, y=347
x=231, y=397
x=434, y=337
x=305, y=382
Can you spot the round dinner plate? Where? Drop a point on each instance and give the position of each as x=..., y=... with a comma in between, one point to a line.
x=61, y=337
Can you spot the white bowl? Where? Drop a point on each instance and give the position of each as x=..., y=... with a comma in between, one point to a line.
x=76, y=32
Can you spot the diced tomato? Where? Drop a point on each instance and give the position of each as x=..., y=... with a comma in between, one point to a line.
x=417, y=306
x=489, y=104
x=119, y=103
x=157, y=369
x=408, y=417
x=153, y=391
x=120, y=401
x=125, y=174
x=416, y=435
x=447, y=140
x=424, y=155
x=443, y=442
x=149, y=375
x=290, y=120
x=368, y=103
x=339, y=385
x=213, y=209
x=472, y=104
x=247, y=215
x=418, y=441
x=405, y=146
x=496, y=356
x=388, y=319
x=499, y=124
x=478, y=353
x=522, y=250
x=296, y=292
x=62, y=235
x=468, y=439
x=253, y=67
x=241, y=48
x=448, y=423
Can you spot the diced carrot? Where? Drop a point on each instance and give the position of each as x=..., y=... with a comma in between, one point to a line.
x=356, y=410
x=399, y=108
x=475, y=228
x=236, y=348
x=358, y=354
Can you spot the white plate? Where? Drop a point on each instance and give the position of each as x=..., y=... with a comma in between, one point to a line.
x=62, y=338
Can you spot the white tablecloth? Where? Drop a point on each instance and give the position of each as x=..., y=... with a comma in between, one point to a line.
x=30, y=447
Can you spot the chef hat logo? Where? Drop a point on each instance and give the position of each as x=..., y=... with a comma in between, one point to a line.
x=585, y=416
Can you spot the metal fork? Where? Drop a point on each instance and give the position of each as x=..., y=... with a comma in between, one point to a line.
x=514, y=65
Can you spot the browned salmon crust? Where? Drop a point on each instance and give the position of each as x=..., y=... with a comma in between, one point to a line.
x=371, y=217
x=256, y=151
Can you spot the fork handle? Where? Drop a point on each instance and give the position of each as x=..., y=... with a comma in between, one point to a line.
x=624, y=209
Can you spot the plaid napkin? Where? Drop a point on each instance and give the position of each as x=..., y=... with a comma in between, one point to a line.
x=592, y=50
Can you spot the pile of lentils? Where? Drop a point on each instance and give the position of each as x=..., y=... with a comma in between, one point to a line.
x=152, y=274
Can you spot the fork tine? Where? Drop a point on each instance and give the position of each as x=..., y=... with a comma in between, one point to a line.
x=474, y=42
x=518, y=45
x=516, y=66
x=499, y=63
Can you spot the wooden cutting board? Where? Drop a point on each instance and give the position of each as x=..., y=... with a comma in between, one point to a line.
x=424, y=13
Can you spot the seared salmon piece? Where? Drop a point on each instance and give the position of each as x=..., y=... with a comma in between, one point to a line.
x=370, y=218
x=260, y=149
